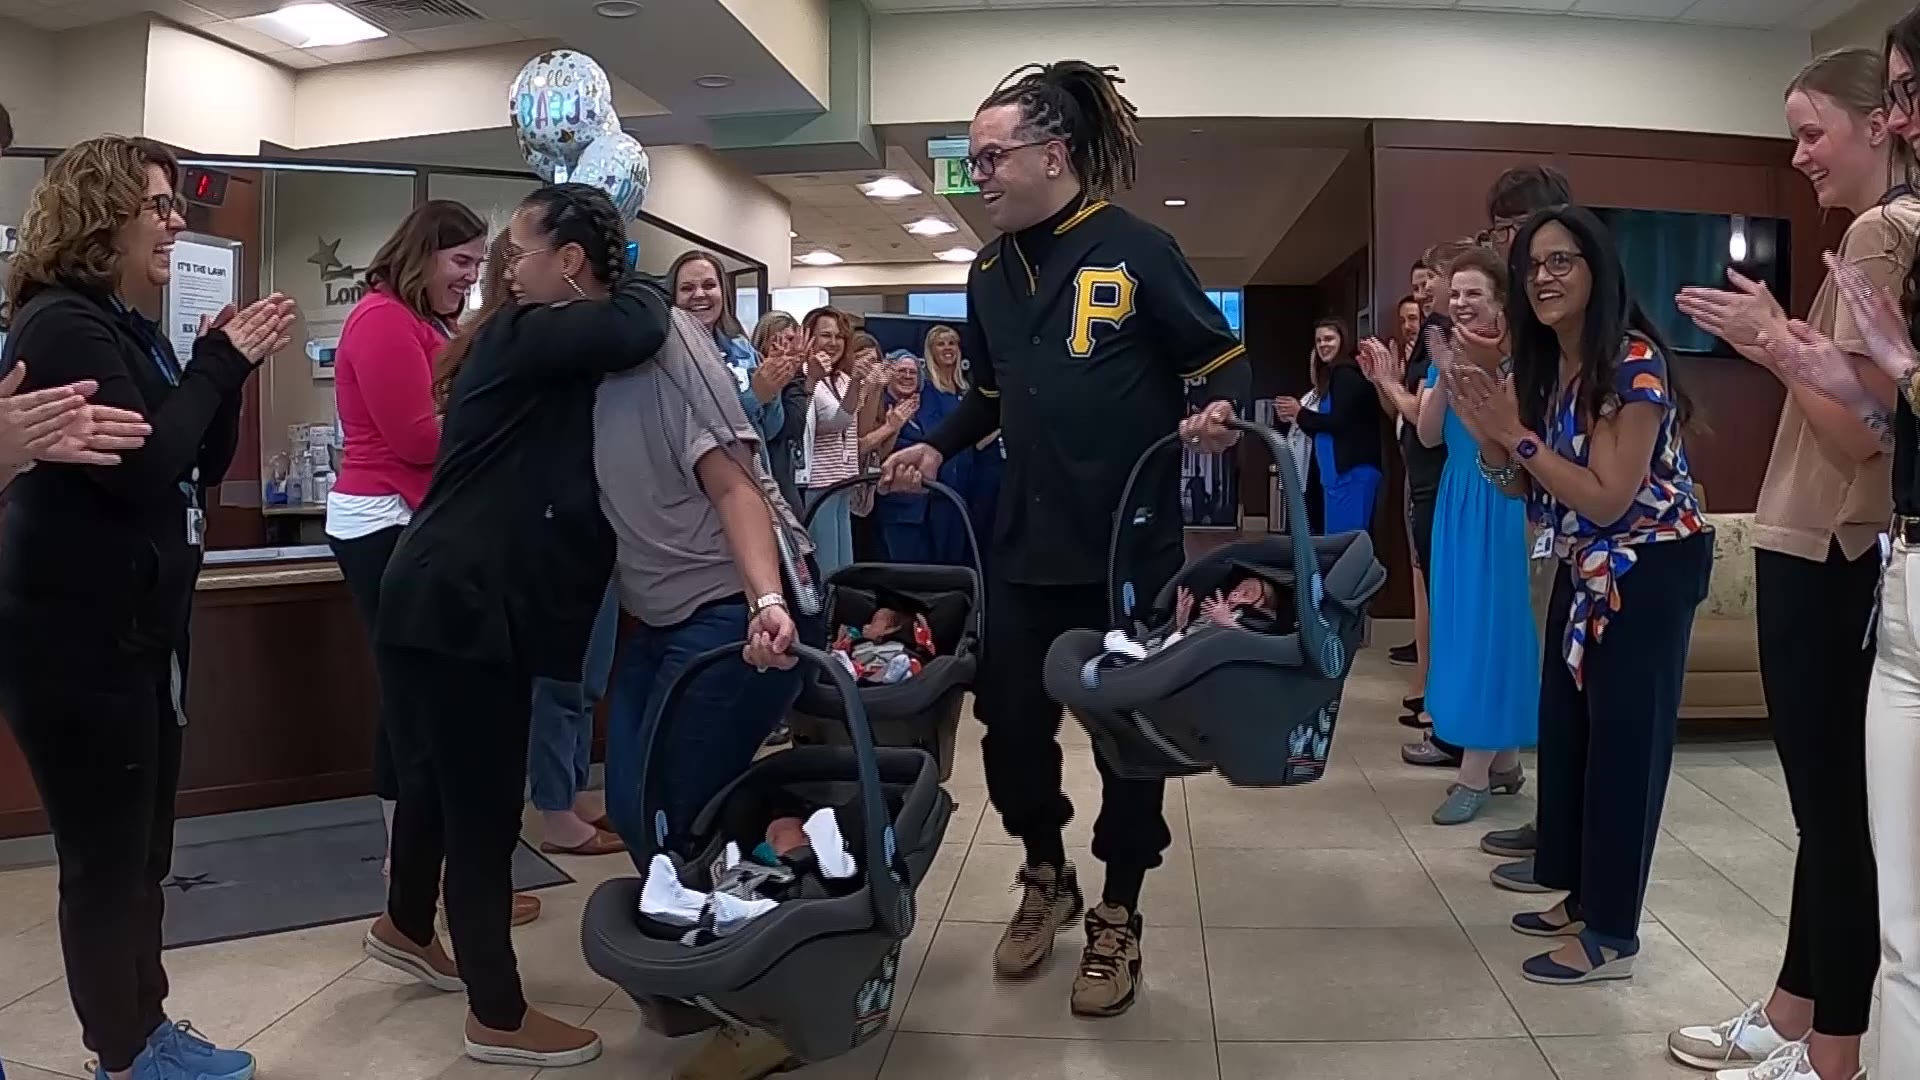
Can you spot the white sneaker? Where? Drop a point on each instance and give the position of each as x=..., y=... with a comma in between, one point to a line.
x=1790, y=1062
x=1745, y=1040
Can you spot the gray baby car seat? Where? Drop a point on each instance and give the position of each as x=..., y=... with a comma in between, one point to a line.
x=1258, y=707
x=818, y=973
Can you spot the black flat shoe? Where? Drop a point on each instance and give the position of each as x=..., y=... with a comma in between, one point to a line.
x=1416, y=722
x=1414, y=704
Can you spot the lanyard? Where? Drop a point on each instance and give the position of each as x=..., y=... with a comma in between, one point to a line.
x=169, y=369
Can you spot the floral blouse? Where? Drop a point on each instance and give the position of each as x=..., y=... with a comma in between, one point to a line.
x=1666, y=507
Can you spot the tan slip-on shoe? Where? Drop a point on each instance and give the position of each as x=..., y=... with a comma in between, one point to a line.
x=542, y=1042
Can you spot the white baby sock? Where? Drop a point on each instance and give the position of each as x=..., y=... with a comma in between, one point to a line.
x=1118, y=643
x=829, y=847
x=665, y=899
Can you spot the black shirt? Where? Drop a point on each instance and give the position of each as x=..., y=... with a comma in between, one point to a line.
x=1352, y=419
x=508, y=557
x=1083, y=332
x=95, y=560
x=1906, y=460
x=1424, y=462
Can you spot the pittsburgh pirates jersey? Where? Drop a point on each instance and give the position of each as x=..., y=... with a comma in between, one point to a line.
x=1084, y=331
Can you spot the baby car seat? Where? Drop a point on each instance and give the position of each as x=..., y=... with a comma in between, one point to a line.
x=1258, y=707
x=818, y=973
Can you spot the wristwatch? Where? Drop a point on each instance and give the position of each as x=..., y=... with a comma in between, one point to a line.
x=761, y=603
x=1526, y=448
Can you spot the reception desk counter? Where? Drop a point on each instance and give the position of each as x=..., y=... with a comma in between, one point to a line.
x=280, y=692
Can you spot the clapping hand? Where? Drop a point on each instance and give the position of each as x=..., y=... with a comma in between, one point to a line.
x=772, y=375
x=903, y=410
x=1384, y=363
x=1485, y=402
x=1878, y=320
x=1182, y=608
x=1736, y=316
x=1286, y=409
x=1218, y=611
x=257, y=331
x=1801, y=353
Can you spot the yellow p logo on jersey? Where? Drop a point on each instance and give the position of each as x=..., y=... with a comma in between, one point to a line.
x=1101, y=294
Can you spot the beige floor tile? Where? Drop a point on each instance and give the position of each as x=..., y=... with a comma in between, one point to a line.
x=1760, y=865
x=1463, y=876
x=28, y=897
x=1081, y=778
x=1755, y=797
x=957, y=993
x=360, y=1030
x=1738, y=940
x=20, y=1071
x=553, y=969
x=918, y=1056
x=1338, y=812
x=29, y=960
x=1613, y=1057
x=1481, y=1059
x=1353, y=985
x=587, y=872
x=40, y=1030
x=1670, y=987
x=1351, y=887
x=985, y=893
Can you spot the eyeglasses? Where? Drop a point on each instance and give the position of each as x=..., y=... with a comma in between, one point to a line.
x=1900, y=94
x=165, y=206
x=1557, y=264
x=510, y=256
x=987, y=162
x=1502, y=232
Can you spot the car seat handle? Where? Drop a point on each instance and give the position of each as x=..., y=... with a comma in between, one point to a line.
x=892, y=900
x=1317, y=639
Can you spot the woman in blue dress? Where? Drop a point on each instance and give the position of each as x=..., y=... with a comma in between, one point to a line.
x=966, y=473
x=1483, y=684
x=910, y=408
x=1344, y=422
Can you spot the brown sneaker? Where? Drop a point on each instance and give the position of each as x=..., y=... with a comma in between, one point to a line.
x=542, y=1042
x=429, y=963
x=1049, y=902
x=525, y=909
x=1110, y=968
x=737, y=1054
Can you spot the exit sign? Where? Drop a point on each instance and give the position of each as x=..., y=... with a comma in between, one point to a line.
x=950, y=176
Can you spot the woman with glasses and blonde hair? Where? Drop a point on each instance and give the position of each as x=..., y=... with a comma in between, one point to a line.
x=778, y=334
x=97, y=569
x=1826, y=498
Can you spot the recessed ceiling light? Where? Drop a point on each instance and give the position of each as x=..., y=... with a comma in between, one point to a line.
x=313, y=26
x=819, y=257
x=713, y=82
x=932, y=226
x=958, y=254
x=1176, y=202
x=889, y=187
x=617, y=9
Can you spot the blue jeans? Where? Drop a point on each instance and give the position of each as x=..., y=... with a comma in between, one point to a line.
x=560, y=748
x=832, y=532
x=718, y=722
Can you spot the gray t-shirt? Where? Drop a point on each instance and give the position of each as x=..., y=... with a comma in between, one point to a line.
x=651, y=425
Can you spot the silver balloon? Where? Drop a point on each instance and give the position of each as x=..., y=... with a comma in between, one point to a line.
x=617, y=165
x=560, y=102
x=550, y=169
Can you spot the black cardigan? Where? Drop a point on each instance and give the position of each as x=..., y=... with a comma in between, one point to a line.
x=508, y=556
x=1353, y=419
x=95, y=558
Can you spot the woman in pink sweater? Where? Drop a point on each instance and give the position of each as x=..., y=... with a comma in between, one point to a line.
x=383, y=389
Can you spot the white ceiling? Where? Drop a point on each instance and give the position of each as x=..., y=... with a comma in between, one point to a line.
x=420, y=33
x=1768, y=14
x=831, y=212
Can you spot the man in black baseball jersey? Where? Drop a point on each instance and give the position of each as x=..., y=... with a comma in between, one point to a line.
x=1084, y=325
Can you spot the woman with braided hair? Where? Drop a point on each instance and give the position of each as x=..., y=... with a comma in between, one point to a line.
x=1084, y=327
x=495, y=582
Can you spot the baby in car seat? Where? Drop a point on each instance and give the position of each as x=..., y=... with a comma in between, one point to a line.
x=1251, y=601
x=890, y=647
x=801, y=852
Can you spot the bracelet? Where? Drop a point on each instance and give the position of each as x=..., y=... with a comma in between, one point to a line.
x=1910, y=388
x=770, y=600
x=1501, y=477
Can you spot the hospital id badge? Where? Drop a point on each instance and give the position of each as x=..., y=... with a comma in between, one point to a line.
x=1543, y=545
x=196, y=526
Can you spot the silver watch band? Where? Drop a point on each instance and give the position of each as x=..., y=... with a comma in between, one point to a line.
x=761, y=603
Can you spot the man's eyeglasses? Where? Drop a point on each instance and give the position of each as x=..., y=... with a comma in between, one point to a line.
x=165, y=206
x=1900, y=94
x=1502, y=232
x=984, y=164
x=1557, y=264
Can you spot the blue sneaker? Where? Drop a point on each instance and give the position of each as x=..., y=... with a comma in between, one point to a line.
x=179, y=1044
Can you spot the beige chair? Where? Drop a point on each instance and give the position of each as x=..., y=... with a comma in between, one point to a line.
x=1723, y=665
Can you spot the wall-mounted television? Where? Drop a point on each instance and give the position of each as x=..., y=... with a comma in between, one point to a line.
x=1666, y=250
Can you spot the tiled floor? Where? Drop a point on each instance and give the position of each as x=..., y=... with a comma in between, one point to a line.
x=1327, y=932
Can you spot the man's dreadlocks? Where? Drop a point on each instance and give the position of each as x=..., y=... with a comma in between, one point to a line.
x=1081, y=105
